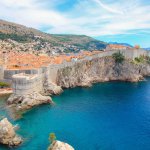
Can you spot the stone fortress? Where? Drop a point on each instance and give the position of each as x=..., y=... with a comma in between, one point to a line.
x=29, y=84
x=30, y=80
x=27, y=81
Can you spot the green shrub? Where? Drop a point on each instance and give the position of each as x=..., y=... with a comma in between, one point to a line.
x=140, y=59
x=52, y=137
x=119, y=57
x=4, y=84
x=148, y=59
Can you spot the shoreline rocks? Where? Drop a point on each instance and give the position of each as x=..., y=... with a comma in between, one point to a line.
x=82, y=74
x=52, y=89
x=8, y=135
x=5, y=91
x=25, y=102
x=58, y=145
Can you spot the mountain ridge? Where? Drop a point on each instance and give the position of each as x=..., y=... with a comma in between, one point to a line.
x=124, y=44
x=49, y=43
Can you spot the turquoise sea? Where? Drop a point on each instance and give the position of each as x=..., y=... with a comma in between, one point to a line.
x=107, y=116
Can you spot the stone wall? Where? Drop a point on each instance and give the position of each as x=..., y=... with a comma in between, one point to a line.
x=52, y=73
x=9, y=73
x=1, y=72
x=129, y=54
x=33, y=80
x=52, y=70
x=26, y=84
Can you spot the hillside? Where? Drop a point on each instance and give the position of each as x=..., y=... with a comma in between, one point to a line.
x=148, y=48
x=21, y=38
x=124, y=44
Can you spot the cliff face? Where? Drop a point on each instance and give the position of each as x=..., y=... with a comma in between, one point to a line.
x=28, y=88
x=100, y=70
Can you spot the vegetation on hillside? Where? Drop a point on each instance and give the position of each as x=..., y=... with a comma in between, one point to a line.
x=4, y=85
x=72, y=43
x=15, y=37
x=118, y=57
x=141, y=59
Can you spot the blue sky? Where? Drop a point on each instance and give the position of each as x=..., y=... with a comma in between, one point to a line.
x=126, y=21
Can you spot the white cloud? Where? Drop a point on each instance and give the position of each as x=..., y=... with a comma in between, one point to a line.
x=109, y=9
x=90, y=17
x=30, y=13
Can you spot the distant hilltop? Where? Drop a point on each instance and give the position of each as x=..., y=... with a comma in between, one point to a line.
x=147, y=48
x=18, y=38
x=21, y=38
x=124, y=44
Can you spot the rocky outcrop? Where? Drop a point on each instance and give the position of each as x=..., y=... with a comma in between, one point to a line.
x=52, y=89
x=25, y=102
x=57, y=145
x=100, y=70
x=6, y=91
x=8, y=135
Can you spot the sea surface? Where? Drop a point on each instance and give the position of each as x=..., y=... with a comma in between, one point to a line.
x=107, y=116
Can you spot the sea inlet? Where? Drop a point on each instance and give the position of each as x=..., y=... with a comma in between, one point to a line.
x=107, y=116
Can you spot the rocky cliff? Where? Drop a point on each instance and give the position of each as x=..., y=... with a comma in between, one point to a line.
x=99, y=70
x=28, y=101
x=28, y=89
x=7, y=134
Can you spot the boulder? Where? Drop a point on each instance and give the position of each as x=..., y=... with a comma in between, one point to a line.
x=58, y=145
x=52, y=88
x=8, y=135
x=25, y=102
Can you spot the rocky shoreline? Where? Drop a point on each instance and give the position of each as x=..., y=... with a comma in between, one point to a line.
x=31, y=87
x=83, y=73
x=5, y=91
x=25, y=102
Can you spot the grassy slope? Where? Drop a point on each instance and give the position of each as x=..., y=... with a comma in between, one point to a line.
x=22, y=33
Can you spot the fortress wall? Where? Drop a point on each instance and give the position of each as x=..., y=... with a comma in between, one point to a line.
x=134, y=53
x=9, y=73
x=52, y=69
x=148, y=53
x=33, y=80
x=130, y=54
x=1, y=72
x=52, y=74
x=43, y=74
x=26, y=84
